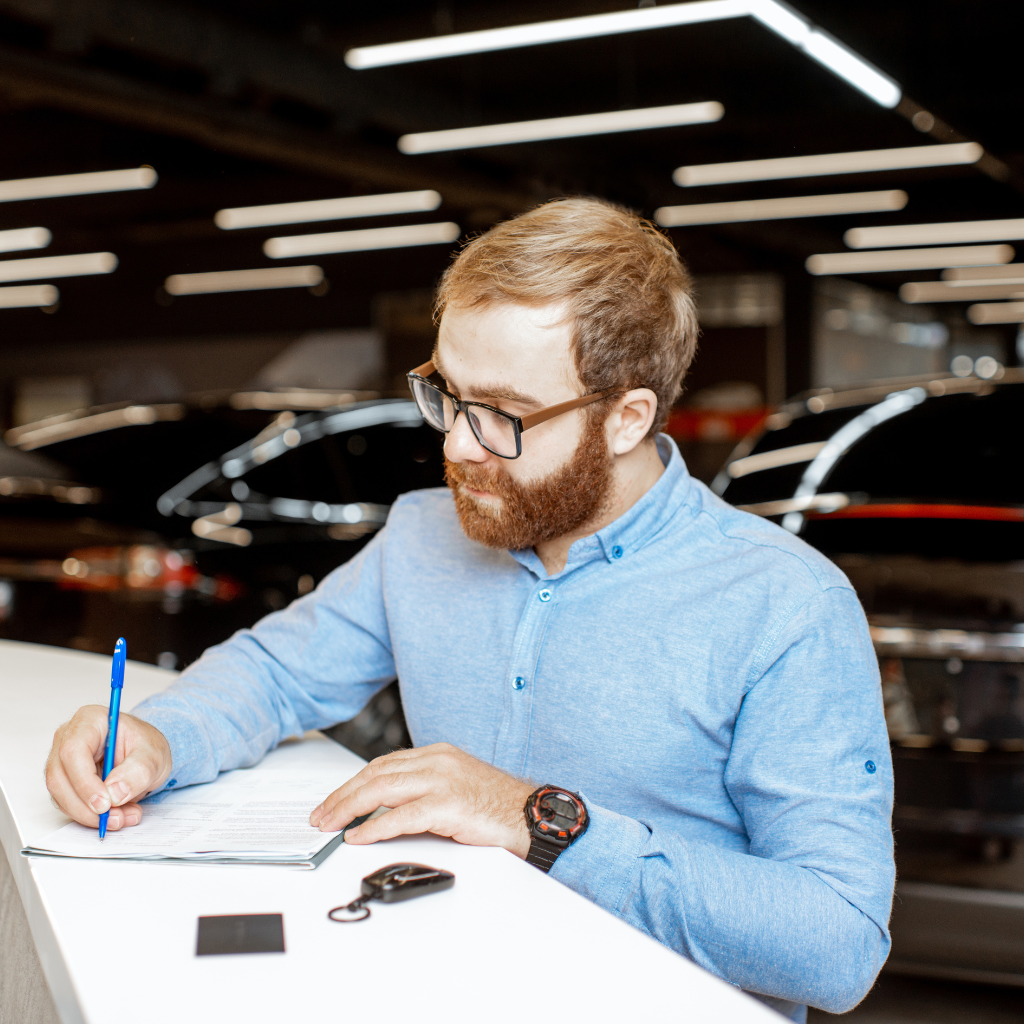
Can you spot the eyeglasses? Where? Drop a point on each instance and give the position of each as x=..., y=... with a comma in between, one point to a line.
x=499, y=432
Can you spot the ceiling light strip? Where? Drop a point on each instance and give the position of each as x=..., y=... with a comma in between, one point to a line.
x=562, y=127
x=907, y=259
x=943, y=291
x=821, y=164
x=537, y=33
x=996, y=313
x=779, y=18
x=361, y=241
x=260, y=279
x=77, y=184
x=28, y=295
x=953, y=233
x=327, y=209
x=80, y=265
x=24, y=238
x=780, y=209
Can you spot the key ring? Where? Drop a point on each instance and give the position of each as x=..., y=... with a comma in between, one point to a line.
x=354, y=907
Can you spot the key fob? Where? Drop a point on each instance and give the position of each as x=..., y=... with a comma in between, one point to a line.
x=398, y=882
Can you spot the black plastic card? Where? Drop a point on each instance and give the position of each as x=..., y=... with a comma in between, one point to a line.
x=240, y=933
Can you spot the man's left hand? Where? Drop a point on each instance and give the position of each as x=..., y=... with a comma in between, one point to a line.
x=438, y=789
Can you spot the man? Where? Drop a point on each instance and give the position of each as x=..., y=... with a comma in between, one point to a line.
x=695, y=686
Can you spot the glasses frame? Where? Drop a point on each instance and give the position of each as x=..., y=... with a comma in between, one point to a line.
x=519, y=423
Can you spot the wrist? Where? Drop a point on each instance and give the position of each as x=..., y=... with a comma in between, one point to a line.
x=518, y=838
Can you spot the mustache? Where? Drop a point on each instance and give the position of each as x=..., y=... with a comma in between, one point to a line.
x=480, y=478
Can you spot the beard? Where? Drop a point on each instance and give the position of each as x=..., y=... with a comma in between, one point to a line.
x=527, y=514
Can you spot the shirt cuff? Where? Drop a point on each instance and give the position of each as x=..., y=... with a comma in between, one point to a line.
x=604, y=863
x=189, y=757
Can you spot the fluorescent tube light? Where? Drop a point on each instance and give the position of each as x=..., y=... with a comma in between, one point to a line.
x=24, y=238
x=534, y=34
x=841, y=61
x=996, y=313
x=58, y=266
x=360, y=241
x=956, y=232
x=1012, y=273
x=818, y=165
x=26, y=295
x=327, y=209
x=243, y=280
x=907, y=259
x=561, y=127
x=780, y=209
x=777, y=17
x=944, y=291
x=77, y=184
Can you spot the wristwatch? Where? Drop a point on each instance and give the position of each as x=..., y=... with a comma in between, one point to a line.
x=556, y=818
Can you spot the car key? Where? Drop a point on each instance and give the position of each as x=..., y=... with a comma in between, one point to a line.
x=392, y=884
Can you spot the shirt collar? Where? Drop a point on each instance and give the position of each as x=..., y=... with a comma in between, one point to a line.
x=625, y=536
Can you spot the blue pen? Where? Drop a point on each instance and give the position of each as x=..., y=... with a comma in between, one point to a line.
x=116, y=683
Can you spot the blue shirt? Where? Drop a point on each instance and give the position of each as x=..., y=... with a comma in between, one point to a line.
x=705, y=679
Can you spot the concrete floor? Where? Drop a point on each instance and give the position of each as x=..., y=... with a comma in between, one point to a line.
x=897, y=999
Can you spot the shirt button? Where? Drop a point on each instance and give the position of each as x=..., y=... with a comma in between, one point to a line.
x=870, y=768
x=545, y=595
x=518, y=683
x=616, y=551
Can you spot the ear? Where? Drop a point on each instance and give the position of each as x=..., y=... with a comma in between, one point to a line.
x=631, y=419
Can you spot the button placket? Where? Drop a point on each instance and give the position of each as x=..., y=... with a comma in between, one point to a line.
x=513, y=737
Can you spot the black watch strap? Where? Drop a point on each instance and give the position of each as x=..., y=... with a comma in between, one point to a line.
x=542, y=854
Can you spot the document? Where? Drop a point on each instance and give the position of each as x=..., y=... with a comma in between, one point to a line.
x=248, y=816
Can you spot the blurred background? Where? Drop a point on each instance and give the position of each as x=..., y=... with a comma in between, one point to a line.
x=221, y=226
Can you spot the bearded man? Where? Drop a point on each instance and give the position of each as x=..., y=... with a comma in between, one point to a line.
x=693, y=688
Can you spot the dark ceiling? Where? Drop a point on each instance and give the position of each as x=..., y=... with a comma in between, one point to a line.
x=239, y=103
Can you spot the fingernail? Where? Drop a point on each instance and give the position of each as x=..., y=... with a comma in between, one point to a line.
x=131, y=819
x=118, y=792
x=99, y=803
x=114, y=821
x=353, y=832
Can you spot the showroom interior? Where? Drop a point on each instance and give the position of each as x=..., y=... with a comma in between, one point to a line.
x=222, y=227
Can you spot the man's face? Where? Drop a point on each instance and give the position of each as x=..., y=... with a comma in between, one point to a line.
x=519, y=359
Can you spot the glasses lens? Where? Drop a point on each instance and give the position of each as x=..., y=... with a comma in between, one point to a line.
x=435, y=407
x=497, y=433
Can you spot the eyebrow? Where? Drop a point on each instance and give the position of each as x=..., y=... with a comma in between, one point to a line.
x=492, y=391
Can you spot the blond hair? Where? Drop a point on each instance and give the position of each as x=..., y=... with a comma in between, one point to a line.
x=628, y=294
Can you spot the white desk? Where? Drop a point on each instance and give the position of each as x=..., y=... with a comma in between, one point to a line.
x=117, y=941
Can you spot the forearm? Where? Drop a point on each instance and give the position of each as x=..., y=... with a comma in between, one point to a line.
x=225, y=712
x=767, y=926
x=316, y=663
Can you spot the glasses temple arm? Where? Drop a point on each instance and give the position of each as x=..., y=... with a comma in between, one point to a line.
x=557, y=410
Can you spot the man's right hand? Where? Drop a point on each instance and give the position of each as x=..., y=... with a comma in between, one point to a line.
x=142, y=762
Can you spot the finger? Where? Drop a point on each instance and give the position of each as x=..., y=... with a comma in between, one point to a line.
x=121, y=817
x=131, y=779
x=65, y=797
x=408, y=820
x=138, y=762
x=80, y=747
x=395, y=761
x=391, y=790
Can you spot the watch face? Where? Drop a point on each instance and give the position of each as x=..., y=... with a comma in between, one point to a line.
x=556, y=814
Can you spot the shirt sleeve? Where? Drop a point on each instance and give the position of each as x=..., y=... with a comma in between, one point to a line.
x=316, y=663
x=803, y=914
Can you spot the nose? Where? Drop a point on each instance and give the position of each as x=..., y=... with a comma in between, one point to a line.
x=461, y=445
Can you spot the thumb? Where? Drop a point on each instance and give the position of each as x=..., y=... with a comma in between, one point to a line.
x=142, y=765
